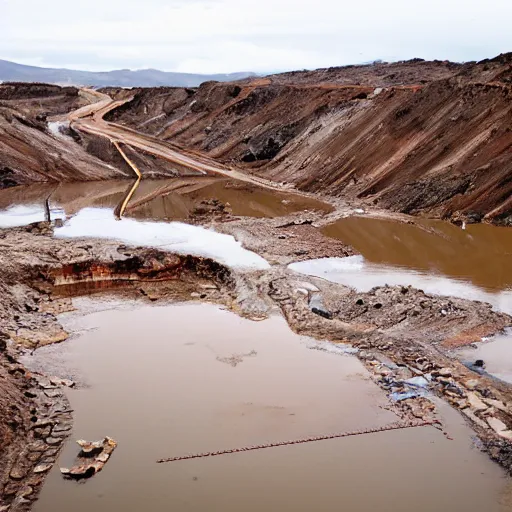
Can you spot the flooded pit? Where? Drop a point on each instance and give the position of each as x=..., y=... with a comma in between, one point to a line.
x=170, y=199
x=163, y=384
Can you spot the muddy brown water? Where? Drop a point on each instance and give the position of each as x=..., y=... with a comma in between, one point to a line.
x=170, y=199
x=166, y=381
x=473, y=263
x=481, y=254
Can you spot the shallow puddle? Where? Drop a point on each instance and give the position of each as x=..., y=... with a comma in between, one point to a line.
x=175, y=237
x=164, y=384
x=495, y=352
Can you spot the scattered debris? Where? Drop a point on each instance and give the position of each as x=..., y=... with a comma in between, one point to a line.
x=91, y=459
x=236, y=359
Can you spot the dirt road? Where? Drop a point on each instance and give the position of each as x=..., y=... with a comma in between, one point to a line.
x=89, y=119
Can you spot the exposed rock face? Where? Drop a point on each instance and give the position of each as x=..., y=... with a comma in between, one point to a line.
x=12, y=407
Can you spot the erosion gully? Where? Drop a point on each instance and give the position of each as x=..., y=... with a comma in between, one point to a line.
x=166, y=381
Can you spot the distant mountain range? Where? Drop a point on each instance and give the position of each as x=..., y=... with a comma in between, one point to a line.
x=13, y=72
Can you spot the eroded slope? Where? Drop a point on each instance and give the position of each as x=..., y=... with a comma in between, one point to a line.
x=413, y=137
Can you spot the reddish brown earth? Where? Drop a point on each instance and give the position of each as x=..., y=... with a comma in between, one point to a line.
x=29, y=152
x=416, y=137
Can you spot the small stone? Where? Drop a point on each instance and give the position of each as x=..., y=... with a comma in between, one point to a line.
x=475, y=403
x=42, y=423
x=52, y=393
x=462, y=404
x=471, y=383
x=497, y=425
x=46, y=384
x=506, y=434
x=11, y=489
x=59, y=435
x=42, y=432
x=61, y=428
x=56, y=381
x=495, y=403
x=445, y=372
x=322, y=312
x=47, y=460
x=42, y=468
x=26, y=491
x=52, y=441
x=37, y=446
x=195, y=295
x=18, y=472
x=34, y=456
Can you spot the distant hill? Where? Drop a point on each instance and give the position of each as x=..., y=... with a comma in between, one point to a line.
x=13, y=72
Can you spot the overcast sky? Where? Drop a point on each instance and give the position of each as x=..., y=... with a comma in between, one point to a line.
x=209, y=36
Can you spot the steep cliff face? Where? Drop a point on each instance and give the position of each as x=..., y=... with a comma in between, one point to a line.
x=445, y=148
x=28, y=153
x=414, y=137
x=36, y=144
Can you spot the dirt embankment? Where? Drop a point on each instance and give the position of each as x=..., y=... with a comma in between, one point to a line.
x=415, y=137
x=377, y=74
x=31, y=152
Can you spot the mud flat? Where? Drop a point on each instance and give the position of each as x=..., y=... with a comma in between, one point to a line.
x=163, y=384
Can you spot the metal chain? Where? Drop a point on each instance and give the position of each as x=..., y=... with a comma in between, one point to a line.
x=393, y=426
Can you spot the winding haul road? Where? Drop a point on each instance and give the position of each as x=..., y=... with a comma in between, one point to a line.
x=90, y=119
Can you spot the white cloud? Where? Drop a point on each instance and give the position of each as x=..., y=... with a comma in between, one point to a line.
x=233, y=35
